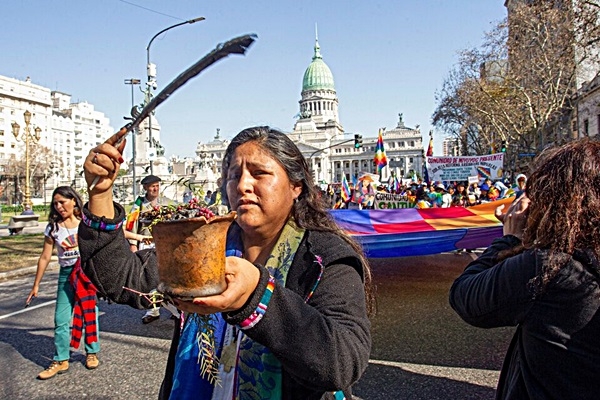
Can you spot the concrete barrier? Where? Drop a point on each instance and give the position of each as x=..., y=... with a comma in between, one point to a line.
x=18, y=222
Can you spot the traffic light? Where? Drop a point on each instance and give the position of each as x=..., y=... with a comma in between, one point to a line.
x=357, y=141
x=503, y=146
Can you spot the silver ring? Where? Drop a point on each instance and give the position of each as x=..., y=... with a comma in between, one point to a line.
x=95, y=159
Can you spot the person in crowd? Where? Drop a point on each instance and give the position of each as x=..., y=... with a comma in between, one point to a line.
x=543, y=276
x=483, y=194
x=422, y=199
x=208, y=196
x=460, y=197
x=217, y=202
x=501, y=188
x=215, y=197
x=410, y=195
x=451, y=192
x=520, y=184
x=27, y=210
x=140, y=229
x=474, y=192
x=493, y=193
x=436, y=192
x=187, y=196
x=446, y=195
x=75, y=294
x=298, y=294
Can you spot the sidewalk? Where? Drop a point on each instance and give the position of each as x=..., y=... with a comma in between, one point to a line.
x=16, y=273
x=33, y=229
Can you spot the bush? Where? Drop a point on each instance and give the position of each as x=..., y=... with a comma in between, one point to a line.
x=38, y=209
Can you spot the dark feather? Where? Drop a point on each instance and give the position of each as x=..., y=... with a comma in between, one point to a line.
x=238, y=45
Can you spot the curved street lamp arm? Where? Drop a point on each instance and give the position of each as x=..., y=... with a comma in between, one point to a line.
x=189, y=21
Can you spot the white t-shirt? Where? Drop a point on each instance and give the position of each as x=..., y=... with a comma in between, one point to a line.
x=66, y=244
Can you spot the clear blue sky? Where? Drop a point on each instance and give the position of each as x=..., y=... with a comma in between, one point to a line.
x=386, y=57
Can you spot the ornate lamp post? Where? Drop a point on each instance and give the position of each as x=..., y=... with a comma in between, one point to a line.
x=27, y=136
x=151, y=84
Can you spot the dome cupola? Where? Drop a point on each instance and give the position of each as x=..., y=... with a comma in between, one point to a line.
x=317, y=76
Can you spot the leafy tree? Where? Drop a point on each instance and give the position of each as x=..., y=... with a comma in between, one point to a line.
x=41, y=161
x=519, y=86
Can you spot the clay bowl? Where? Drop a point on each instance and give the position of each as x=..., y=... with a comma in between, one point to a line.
x=191, y=256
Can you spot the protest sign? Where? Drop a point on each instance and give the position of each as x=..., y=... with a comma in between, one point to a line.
x=385, y=201
x=460, y=168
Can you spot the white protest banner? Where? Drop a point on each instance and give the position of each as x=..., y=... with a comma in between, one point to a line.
x=473, y=179
x=460, y=168
x=385, y=201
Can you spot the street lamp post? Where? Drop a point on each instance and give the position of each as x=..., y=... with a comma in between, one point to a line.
x=151, y=83
x=132, y=82
x=27, y=136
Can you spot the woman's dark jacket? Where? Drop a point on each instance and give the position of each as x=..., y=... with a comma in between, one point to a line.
x=323, y=345
x=555, y=352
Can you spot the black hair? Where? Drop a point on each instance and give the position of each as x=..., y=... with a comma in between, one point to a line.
x=67, y=192
x=309, y=211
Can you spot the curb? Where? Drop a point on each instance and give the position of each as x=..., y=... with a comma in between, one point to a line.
x=25, y=271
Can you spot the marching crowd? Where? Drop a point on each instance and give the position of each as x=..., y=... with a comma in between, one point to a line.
x=420, y=194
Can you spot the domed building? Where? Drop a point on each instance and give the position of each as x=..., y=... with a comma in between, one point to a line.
x=320, y=136
x=319, y=103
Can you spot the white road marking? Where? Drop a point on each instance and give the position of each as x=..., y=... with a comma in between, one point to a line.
x=28, y=309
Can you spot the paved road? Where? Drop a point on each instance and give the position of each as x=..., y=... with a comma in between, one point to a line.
x=421, y=349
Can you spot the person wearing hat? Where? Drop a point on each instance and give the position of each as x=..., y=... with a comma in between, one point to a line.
x=484, y=196
x=436, y=196
x=137, y=232
x=520, y=183
x=446, y=196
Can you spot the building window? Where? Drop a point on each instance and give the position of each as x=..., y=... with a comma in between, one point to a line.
x=1, y=132
x=586, y=127
x=410, y=160
x=1, y=144
x=598, y=125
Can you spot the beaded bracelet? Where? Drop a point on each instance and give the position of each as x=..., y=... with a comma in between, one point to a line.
x=100, y=225
x=257, y=315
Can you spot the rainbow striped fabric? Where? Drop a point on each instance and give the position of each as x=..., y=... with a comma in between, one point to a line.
x=345, y=190
x=380, y=159
x=415, y=232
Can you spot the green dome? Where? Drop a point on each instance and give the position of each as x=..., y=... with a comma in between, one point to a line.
x=317, y=76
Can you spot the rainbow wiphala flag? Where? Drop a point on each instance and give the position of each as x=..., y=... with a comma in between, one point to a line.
x=345, y=190
x=380, y=159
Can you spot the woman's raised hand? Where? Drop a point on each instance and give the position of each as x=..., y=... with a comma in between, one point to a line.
x=515, y=219
x=103, y=163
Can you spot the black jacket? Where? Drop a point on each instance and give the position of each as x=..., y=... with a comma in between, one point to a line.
x=555, y=352
x=323, y=345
